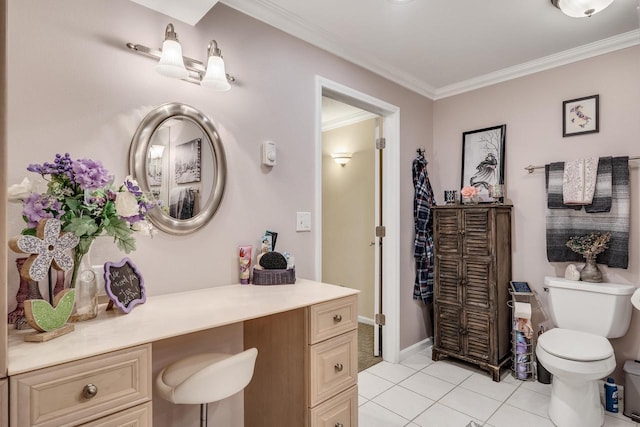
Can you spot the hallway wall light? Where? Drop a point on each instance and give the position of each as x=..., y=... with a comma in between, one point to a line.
x=341, y=158
x=581, y=8
x=172, y=64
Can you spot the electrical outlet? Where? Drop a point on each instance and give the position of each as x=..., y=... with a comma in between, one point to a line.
x=303, y=221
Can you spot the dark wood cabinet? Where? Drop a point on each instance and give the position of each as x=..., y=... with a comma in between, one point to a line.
x=472, y=321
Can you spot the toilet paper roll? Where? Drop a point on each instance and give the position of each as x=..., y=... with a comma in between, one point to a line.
x=522, y=310
x=635, y=299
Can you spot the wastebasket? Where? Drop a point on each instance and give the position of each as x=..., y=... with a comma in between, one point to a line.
x=632, y=389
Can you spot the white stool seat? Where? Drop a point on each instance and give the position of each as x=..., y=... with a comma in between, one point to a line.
x=206, y=378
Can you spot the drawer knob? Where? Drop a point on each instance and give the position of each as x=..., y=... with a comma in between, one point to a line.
x=89, y=391
x=339, y=367
x=339, y=425
x=337, y=318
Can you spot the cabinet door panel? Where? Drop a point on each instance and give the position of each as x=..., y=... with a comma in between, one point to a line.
x=447, y=232
x=448, y=278
x=477, y=334
x=476, y=288
x=477, y=232
x=448, y=329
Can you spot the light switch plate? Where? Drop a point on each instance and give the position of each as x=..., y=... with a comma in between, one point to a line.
x=303, y=221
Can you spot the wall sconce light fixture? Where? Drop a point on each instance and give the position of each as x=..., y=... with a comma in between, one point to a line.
x=581, y=8
x=341, y=158
x=172, y=64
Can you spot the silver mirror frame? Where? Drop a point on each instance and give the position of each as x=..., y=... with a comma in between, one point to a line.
x=138, y=164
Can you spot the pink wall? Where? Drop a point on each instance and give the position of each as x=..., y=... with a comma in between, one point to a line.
x=74, y=87
x=531, y=107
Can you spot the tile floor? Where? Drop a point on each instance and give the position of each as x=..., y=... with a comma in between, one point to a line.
x=421, y=393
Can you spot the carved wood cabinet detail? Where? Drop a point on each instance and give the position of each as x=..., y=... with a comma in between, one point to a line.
x=472, y=273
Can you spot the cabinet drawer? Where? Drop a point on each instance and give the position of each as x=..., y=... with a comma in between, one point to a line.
x=139, y=416
x=334, y=367
x=54, y=396
x=340, y=411
x=332, y=318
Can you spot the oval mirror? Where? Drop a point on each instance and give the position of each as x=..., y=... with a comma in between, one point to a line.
x=176, y=154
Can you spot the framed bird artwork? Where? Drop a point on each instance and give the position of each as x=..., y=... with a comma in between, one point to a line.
x=483, y=160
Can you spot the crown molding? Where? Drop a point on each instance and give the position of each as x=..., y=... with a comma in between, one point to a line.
x=351, y=119
x=601, y=47
x=272, y=14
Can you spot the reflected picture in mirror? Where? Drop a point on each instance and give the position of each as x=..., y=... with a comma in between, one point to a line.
x=187, y=162
x=177, y=156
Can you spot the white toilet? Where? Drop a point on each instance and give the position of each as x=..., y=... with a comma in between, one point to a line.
x=578, y=352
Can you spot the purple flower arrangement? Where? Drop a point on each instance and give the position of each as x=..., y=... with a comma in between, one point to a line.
x=80, y=193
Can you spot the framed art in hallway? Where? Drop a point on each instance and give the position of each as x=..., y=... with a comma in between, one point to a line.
x=187, y=162
x=581, y=115
x=483, y=159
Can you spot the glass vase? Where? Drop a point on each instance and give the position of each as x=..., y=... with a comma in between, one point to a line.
x=590, y=272
x=85, y=283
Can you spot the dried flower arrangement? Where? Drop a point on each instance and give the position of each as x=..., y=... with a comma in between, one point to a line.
x=589, y=245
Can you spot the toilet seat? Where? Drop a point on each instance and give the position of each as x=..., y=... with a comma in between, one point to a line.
x=575, y=345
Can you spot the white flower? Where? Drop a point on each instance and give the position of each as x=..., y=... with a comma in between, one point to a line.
x=145, y=227
x=18, y=192
x=126, y=204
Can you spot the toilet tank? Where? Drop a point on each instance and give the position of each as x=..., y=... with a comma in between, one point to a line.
x=599, y=308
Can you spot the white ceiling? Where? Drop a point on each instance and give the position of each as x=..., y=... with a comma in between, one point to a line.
x=442, y=47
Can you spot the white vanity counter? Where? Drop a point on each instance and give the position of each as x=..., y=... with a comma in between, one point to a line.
x=167, y=316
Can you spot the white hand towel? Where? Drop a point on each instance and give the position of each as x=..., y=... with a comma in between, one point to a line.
x=522, y=310
x=579, y=181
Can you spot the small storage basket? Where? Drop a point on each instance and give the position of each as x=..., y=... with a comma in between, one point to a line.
x=274, y=277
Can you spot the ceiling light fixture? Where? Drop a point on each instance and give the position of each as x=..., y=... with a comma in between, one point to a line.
x=341, y=158
x=172, y=64
x=581, y=8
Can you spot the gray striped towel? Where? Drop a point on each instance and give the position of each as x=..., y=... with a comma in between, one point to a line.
x=601, y=199
x=565, y=223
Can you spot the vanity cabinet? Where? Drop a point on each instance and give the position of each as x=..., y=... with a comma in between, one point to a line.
x=317, y=373
x=96, y=390
x=305, y=373
x=471, y=276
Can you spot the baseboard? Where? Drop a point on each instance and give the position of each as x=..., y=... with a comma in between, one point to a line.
x=413, y=349
x=366, y=320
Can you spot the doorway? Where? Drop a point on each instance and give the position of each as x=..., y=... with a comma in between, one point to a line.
x=386, y=248
x=350, y=213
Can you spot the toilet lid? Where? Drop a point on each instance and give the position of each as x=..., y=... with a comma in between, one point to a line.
x=575, y=345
